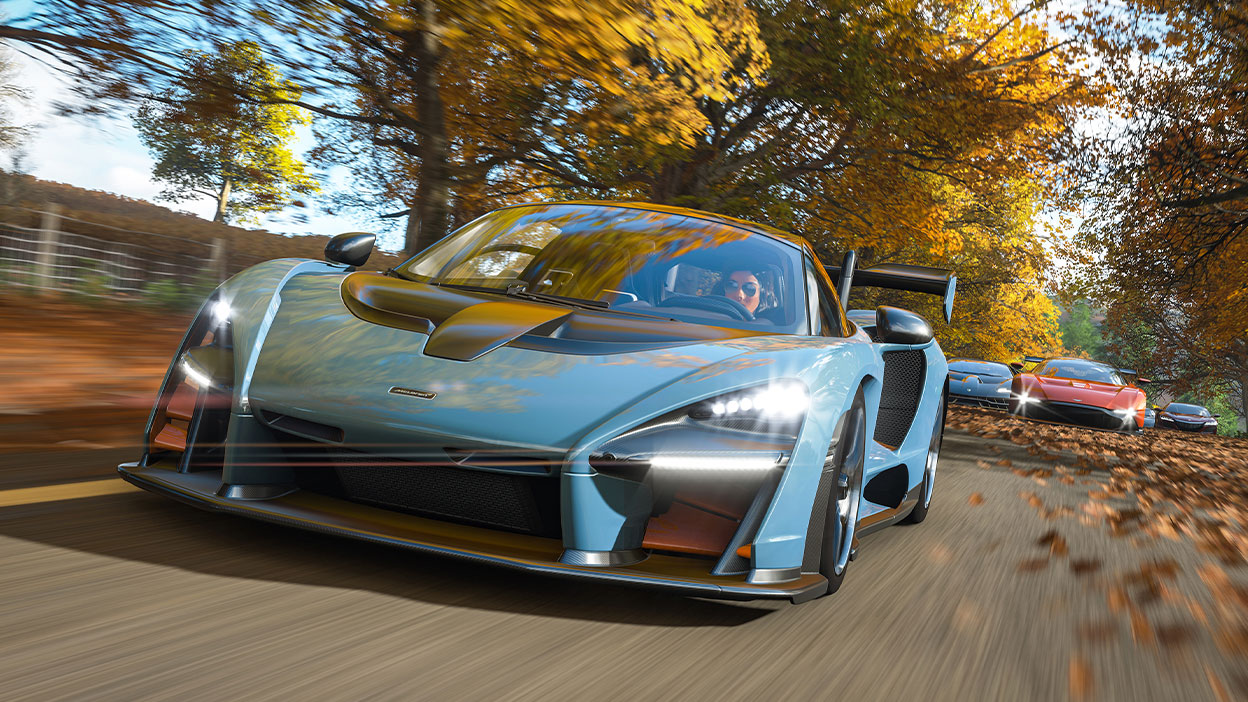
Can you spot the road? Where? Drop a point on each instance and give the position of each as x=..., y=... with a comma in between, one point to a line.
x=109, y=592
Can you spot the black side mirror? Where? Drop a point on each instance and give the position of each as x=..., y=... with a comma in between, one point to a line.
x=894, y=325
x=1216, y=415
x=352, y=248
x=1016, y=367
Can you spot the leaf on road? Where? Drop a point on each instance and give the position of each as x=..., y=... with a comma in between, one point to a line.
x=1081, y=685
x=1056, y=543
x=1085, y=566
x=976, y=499
x=1215, y=684
x=1033, y=564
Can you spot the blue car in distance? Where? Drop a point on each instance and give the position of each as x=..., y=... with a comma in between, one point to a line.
x=979, y=383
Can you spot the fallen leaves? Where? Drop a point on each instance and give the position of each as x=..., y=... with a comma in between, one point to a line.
x=976, y=499
x=1081, y=685
x=1142, y=489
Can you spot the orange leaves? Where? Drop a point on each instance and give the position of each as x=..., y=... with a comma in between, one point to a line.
x=1080, y=674
x=976, y=499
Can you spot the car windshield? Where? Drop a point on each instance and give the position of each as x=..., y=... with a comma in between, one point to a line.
x=1077, y=370
x=999, y=370
x=1180, y=408
x=628, y=258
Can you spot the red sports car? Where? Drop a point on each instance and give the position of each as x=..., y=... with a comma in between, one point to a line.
x=1081, y=392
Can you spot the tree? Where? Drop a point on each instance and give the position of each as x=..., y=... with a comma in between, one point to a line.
x=1079, y=333
x=208, y=142
x=1168, y=186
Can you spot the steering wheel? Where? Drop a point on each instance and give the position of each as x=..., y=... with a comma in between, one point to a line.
x=710, y=303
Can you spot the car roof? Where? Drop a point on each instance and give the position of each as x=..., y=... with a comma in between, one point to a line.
x=752, y=227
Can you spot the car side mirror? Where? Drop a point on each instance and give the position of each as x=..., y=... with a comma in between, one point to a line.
x=1016, y=367
x=894, y=325
x=351, y=248
x=1216, y=415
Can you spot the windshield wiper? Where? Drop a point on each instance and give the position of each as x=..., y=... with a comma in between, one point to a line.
x=558, y=299
x=517, y=291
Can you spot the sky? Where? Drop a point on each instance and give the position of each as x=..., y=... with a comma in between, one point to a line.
x=106, y=154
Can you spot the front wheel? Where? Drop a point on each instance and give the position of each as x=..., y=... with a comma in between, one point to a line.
x=846, y=462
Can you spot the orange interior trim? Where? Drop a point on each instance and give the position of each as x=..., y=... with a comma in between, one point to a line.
x=171, y=438
x=687, y=529
x=182, y=403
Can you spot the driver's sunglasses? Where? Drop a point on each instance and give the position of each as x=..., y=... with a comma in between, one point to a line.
x=750, y=289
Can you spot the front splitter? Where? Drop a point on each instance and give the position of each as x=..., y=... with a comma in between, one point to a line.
x=327, y=515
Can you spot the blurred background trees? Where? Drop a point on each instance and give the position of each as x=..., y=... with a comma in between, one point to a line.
x=227, y=133
x=959, y=133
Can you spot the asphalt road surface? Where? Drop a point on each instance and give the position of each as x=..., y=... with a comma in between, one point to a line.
x=108, y=592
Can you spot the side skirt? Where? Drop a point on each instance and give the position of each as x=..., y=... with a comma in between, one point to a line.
x=888, y=517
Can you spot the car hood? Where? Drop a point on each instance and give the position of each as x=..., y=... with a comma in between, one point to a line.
x=376, y=383
x=1085, y=392
x=1190, y=418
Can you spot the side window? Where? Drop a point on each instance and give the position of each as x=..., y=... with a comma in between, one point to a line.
x=829, y=321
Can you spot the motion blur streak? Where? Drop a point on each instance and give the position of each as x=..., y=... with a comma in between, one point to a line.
x=70, y=491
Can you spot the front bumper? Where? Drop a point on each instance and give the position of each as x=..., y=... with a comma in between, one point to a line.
x=1198, y=427
x=316, y=512
x=1079, y=415
x=991, y=402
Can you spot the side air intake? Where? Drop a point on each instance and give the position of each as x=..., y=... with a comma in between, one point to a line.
x=899, y=396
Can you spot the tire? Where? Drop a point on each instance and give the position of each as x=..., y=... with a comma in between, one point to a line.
x=919, y=513
x=841, y=523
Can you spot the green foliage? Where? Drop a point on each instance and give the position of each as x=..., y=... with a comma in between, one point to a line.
x=223, y=129
x=94, y=281
x=1228, y=420
x=172, y=294
x=1079, y=333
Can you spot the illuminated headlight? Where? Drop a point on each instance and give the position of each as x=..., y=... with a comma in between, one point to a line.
x=720, y=462
x=1026, y=399
x=744, y=432
x=1003, y=390
x=220, y=312
x=196, y=375
x=779, y=401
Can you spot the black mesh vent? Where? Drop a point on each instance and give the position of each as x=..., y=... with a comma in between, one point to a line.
x=521, y=503
x=899, y=397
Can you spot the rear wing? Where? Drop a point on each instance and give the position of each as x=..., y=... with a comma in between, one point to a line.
x=895, y=276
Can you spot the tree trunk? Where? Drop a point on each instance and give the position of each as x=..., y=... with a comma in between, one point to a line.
x=223, y=199
x=429, y=217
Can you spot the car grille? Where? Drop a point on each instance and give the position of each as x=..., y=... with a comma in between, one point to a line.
x=527, y=504
x=1094, y=417
x=899, y=396
x=988, y=402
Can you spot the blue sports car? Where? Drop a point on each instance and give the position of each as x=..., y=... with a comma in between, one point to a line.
x=618, y=392
x=979, y=383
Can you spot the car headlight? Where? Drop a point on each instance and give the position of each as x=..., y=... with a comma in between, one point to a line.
x=221, y=312
x=751, y=430
x=1003, y=390
x=1026, y=399
x=774, y=407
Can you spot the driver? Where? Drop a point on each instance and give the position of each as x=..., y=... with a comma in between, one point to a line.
x=743, y=286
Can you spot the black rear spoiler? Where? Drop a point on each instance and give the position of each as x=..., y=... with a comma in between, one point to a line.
x=1032, y=359
x=898, y=276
